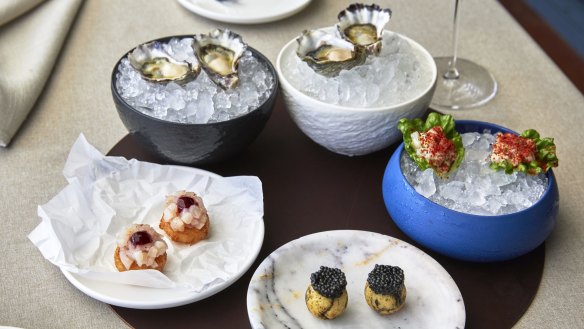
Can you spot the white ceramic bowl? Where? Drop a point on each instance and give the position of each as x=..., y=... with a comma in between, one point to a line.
x=349, y=130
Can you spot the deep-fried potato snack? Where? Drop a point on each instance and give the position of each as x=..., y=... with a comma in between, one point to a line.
x=140, y=247
x=326, y=296
x=324, y=307
x=188, y=236
x=185, y=218
x=160, y=262
x=385, y=291
x=385, y=304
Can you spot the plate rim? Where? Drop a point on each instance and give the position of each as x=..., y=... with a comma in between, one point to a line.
x=194, y=8
x=451, y=281
x=191, y=297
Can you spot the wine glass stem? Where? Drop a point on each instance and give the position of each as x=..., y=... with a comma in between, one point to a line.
x=452, y=72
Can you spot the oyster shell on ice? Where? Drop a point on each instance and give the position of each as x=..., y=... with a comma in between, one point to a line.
x=219, y=53
x=363, y=25
x=156, y=65
x=328, y=54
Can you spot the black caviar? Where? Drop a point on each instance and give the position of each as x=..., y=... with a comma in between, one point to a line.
x=329, y=282
x=386, y=279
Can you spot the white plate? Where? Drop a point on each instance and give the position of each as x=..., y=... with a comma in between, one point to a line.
x=143, y=297
x=275, y=297
x=140, y=297
x=245, y=11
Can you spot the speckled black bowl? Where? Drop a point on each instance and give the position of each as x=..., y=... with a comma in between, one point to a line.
x=195, y=144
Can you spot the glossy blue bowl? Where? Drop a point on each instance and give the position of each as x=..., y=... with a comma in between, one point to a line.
x=465, y=236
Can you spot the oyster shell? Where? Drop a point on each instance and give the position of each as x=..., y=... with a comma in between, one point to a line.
x=219, y=53
x=363, y=25
x=328, y=54
x=156, y=65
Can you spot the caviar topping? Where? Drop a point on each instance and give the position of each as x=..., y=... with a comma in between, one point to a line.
x=329, y=282
x=386, y=279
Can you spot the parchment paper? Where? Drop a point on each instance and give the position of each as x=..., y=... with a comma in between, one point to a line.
x=105, y=195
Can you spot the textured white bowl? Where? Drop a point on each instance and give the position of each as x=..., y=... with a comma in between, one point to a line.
x=350, y=130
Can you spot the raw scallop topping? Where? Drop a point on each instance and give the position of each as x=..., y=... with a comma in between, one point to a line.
x=434, y=147
x=185, y=209
x=141, y=244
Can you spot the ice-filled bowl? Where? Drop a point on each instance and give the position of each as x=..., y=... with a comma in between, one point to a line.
x=350, y=130
x=466, y=236
x=189, y=143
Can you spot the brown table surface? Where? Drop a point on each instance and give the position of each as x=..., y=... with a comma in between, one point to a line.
x=309, y=189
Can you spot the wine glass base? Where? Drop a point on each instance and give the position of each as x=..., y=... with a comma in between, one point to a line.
x=474, y=87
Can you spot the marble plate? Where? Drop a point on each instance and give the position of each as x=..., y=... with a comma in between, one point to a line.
x=275, y=297
x=245, y=11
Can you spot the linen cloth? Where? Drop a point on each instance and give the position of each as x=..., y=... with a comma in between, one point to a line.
x=32, y=33
x=534, y=94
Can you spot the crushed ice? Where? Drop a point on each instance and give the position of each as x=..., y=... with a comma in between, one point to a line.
x=474, y=187
x=392, y=77
x=199, y=101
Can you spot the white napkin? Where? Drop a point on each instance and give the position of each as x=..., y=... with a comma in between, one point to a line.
x=32, y=33
x=10, y=9
x=107, y=194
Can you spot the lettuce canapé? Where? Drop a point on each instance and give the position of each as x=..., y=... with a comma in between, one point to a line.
x=526, y=153
x=433, y=144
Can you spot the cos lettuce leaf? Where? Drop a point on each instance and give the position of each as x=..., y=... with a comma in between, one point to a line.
x=407, y=127
x=545, y=156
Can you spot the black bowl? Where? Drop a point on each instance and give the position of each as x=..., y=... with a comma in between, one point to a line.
x=191, y=144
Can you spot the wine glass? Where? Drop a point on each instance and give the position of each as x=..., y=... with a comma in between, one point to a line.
x=461, y=84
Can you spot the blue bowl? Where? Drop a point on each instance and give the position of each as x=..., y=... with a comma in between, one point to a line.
x=465, y=236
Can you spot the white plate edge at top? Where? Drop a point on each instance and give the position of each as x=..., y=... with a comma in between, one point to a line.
x=189, y=5
x=95, y=288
